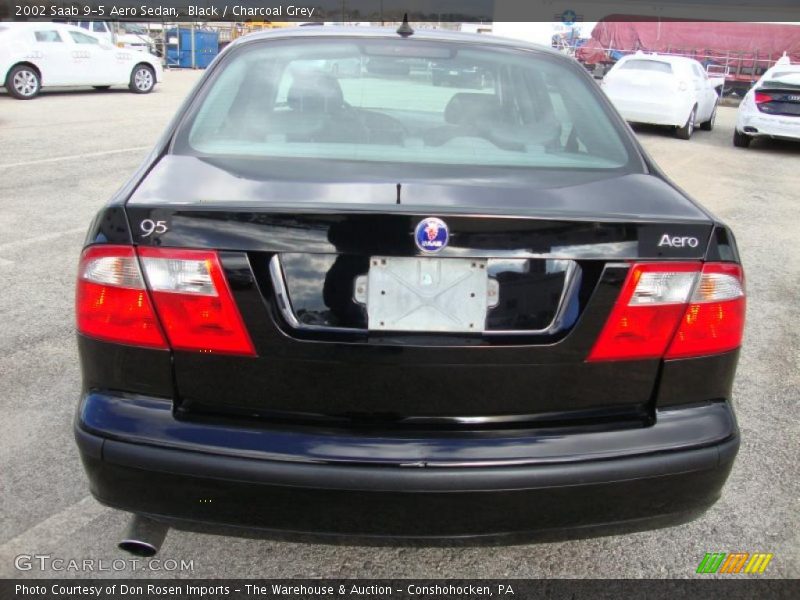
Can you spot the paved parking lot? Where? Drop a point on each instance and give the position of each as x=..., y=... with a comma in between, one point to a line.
x=63, y=154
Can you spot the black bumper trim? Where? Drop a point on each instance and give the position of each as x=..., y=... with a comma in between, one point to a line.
x=150, y=421
x=578, y=497
x=494, y=504
x=410, y=479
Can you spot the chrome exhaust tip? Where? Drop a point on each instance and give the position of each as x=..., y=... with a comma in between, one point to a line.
x=143, y=537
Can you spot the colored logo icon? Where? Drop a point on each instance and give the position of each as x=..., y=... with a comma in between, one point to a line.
x=568, y=17
x=431, y=235
x=736, y=562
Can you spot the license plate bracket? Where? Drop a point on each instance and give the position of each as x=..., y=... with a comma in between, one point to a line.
x=446, y=295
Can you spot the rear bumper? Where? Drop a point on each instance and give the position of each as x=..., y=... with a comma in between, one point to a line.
x=560, y=490
x=665, y=112
x=758, y=124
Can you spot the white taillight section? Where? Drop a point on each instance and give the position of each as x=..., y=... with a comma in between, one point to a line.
x=119, y=271
x=716, y=287
x=179, y=276
x=663, y=288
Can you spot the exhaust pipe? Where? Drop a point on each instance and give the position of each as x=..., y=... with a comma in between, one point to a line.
x=143, y=537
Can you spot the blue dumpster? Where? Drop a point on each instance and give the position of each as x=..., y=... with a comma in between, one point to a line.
x=179, y=47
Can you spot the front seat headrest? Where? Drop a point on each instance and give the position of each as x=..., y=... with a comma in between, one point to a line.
x=315, y=92
x=465, y=107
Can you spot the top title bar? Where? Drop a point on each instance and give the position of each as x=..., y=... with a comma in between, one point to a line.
x=337, y=11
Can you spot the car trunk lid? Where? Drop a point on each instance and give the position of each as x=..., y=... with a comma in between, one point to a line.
x=647, y=83
x=780, y=96
x=294, y=253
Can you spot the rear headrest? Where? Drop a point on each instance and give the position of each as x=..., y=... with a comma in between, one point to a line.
x=465, y=107
x=315, y=92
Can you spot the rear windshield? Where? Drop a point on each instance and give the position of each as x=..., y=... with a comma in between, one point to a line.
x=402, y=102
x=790, y=79
x=647, y=65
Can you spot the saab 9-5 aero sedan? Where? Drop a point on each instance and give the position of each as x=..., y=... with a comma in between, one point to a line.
x=365, y=305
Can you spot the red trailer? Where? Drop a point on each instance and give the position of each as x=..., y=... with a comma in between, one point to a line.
x=740, y=52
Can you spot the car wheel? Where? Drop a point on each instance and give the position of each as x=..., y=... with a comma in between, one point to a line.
x=101, y=87
x=23, y=82
x=685, y=132
x=143, y=79
x=741, y=140
x=709, y=125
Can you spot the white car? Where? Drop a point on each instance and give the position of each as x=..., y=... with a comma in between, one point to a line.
x=664, y=90
x=772, y=107
x=127, y=35
x=37, y=55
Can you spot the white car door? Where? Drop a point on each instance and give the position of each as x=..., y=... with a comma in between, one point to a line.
x=711, y=93
x=51, y=53
x=706, y=96
x=96, y=60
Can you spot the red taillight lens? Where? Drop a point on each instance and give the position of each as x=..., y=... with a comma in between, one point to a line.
x=674, y=310
x=186, y=294
x=111, y=302
x=194, y=301
x=714, y=320
x=651, y=303
x=762, y=98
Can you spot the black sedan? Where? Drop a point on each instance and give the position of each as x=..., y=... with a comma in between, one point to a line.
x=375, y=307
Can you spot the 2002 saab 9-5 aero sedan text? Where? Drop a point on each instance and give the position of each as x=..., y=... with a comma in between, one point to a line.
x=361, y=304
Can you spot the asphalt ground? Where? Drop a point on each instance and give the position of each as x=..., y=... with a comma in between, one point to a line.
x=63, y=154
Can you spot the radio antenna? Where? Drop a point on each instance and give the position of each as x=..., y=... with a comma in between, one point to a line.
x=405, y=29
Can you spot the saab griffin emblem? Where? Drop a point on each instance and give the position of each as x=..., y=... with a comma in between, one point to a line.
x=431, y=235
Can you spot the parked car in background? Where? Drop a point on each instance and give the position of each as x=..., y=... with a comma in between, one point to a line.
x=376, y=307
x=387, y=66
x=458, y=75
x=772, y=107
x=40, y=55
x=664, y=90
x=123, y=35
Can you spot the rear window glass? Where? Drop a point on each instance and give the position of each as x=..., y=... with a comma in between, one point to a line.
x=792, y=77
x=647, y=65
x=391, y=101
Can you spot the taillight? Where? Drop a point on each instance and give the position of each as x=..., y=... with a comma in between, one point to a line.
x=762, y=98
x=194, y=302
x=111, y=302
x=714, y=320
x=188, y=297
x=674, y=310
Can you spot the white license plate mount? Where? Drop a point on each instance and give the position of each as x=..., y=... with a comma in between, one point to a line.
x=422, y=294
